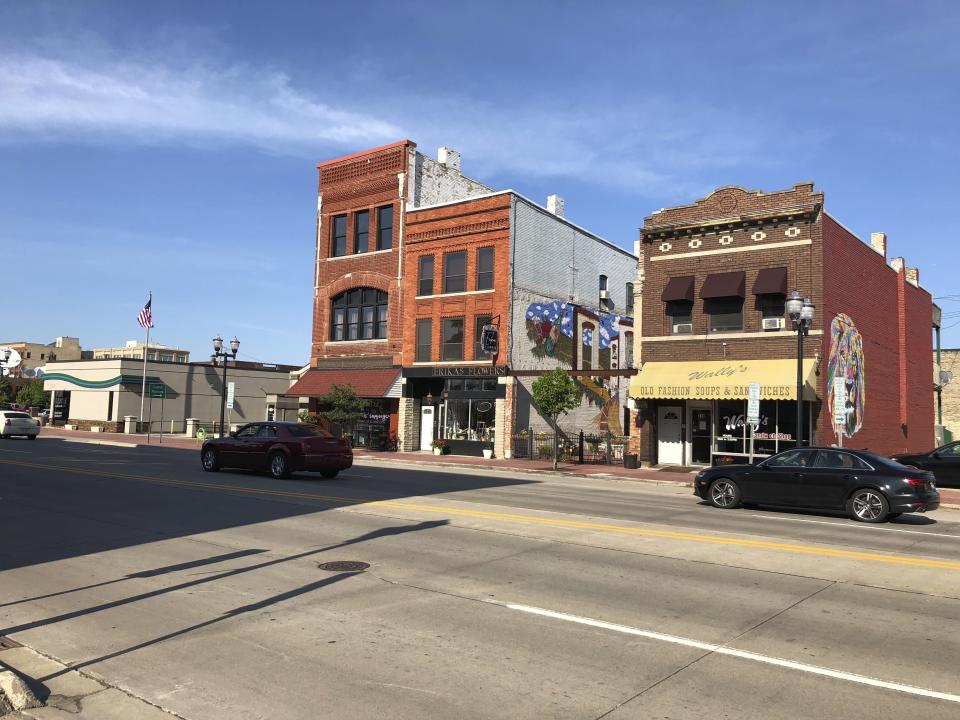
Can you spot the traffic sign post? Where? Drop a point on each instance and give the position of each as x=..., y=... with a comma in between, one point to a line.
x=753, y=412
x=160, y=393
x=839, y=407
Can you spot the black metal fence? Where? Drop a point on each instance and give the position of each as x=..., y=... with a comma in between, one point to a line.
x=573, y=446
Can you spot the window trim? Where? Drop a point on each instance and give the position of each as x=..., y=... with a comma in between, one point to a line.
x=361, y=321
x=334, y=236
x=447, y=276
x=493, y=265
x=433, y=275
x=428, y=323
x=462, y=343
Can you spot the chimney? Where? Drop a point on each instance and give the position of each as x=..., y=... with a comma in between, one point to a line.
x=555, y=205
x=913, y=276
x=878, y=241
x=449, y=158
x=897, y=264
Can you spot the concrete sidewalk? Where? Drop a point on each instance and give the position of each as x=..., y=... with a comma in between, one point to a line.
x=949, y=498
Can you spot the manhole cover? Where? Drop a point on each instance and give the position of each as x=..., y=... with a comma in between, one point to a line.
x=6, y=643
x=344, y=566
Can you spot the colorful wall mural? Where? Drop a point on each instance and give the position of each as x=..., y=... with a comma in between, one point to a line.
x=846, y=361
x=551, y=326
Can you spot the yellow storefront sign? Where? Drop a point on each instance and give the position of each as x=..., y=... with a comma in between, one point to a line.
x=723, y=379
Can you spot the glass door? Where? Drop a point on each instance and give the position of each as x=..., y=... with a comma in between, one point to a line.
x=701, y=438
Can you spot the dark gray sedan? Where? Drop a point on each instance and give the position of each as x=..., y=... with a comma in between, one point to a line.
x=868, y=487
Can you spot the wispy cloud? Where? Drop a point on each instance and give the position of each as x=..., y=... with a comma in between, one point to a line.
x=630, y=144
x=59, y=99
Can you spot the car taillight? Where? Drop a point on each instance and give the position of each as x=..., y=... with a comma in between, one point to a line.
x=917, y=483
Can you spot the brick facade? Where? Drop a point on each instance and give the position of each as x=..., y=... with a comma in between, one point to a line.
x=465, y=226
x=738, y=230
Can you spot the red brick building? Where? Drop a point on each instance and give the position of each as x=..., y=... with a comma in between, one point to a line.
x=358, y=303
x=712, y=284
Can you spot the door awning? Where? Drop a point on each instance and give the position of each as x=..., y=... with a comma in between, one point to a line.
x=728, y=284
x=678, y=288
x=723, y=380
x=771, y=281
x=372, y=383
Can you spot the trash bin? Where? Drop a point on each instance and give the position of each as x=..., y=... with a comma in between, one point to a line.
x=630, y=461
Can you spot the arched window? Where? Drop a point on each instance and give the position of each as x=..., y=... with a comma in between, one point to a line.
x=359, y=314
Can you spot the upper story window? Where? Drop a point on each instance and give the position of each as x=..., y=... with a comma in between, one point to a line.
x=424, y=340
x=680, y=315
x=425, y=275
x=455, y=272
x=338, y=244
x=359, y=314
x=726, y=314
x=603, y=283
x=770, y=289
x=385, y=227
x=485, y=268
x=629, y=306
x=452, y=339
x=361, y=231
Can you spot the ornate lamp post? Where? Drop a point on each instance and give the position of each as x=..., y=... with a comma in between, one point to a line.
x=220, y=353
x=800, y=311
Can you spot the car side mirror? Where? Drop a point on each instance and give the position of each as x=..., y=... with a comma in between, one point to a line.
x=233, y=434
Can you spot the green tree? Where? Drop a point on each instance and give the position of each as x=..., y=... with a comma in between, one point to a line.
x=31, y=394
x=342, y=407
x=6, y=392
x=555, y=394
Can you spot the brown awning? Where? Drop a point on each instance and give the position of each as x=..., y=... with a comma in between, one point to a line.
x=372, y=383
x=678, y=288
x=728, y=284
x=771, y=281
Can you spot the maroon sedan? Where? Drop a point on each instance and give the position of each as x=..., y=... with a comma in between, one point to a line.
x=279, y=448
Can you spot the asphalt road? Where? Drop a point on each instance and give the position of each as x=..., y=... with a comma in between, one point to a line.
x=488, y=594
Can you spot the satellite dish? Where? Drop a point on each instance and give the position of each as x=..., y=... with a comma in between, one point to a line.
x=9, y=359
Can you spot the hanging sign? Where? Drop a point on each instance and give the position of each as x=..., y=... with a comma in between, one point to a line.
x=753, y=404
x=230, y=390
x=839, y=401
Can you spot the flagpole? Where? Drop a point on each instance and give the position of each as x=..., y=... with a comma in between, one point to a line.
x=143, y=388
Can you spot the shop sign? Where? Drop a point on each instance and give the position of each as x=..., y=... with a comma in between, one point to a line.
x=470, y=371
x=753, y=404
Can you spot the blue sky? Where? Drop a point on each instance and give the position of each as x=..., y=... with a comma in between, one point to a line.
x=172, y=146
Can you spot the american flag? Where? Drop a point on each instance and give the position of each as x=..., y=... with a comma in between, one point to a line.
x=145, y=318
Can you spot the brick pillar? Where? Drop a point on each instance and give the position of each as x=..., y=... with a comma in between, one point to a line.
x=409, y=425
x=504, y=419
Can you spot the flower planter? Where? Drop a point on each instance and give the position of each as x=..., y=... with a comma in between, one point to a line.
x=437, y=451
x=487, y=453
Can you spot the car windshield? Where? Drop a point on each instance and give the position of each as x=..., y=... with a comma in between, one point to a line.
x=307, y=431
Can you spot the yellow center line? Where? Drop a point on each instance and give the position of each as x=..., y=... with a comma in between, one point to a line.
x=530, y=519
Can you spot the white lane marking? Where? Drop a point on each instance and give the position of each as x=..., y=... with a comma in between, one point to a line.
x=858, y=526
x=742, y=654
x=24, y=452
x=112, y=443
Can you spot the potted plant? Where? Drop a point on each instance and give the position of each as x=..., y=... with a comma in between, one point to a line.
x=487, y=446
x=440, y=446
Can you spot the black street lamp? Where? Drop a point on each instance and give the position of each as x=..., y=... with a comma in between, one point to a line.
x=800, y=312
x=219, y=352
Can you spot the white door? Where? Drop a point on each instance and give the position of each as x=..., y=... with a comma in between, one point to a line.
x=426, y=426
x=669, y=440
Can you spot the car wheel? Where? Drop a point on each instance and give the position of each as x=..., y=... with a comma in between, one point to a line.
x=279, y=466
x=4, y=437
x=724, y=493
x=209, y=460
x=868, y=505
x=328, y=474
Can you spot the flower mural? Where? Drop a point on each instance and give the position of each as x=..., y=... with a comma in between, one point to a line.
x=846, y=361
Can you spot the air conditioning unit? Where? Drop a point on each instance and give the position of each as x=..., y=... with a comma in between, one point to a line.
x=773, y=323
x=683, y=329
x=604, y=295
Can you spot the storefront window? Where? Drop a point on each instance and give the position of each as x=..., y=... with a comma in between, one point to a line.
x=773, y=434
x=469, y=419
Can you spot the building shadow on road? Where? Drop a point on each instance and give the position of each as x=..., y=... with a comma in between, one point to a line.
x=62, y=500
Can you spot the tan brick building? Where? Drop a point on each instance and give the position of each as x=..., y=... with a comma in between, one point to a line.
x=950, y=394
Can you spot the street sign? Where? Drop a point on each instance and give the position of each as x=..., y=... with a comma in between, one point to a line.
x=158, y=392
x=753, y=404
x=230, y=389
x=839, y=401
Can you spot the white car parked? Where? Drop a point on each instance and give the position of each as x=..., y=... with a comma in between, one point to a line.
x=13, y=422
